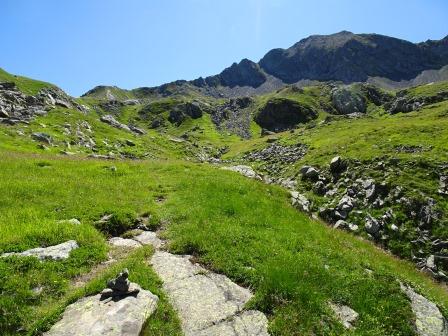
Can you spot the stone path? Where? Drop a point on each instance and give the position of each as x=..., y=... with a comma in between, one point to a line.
x=207, y=303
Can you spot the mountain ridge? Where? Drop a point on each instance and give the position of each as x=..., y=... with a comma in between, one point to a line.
x=341, y=57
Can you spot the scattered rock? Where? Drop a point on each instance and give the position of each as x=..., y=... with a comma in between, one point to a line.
x=109, y=119
x=309, y=173
x=345, y=314
x=443, y=185
x=245, y=171
x=372, y=226
x=337, y=165
x=130, y=143
x=276, y=153
x=300, y=200
x=56, y=252
x=43, y=137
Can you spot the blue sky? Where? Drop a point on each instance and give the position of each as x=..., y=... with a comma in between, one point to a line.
x=78, y=44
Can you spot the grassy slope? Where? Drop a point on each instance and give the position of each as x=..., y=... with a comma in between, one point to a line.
x=26, y=85
x=242, y=228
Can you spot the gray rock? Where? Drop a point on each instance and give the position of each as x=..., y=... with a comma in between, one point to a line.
x=131, y=102
x=310, y=173
x=300, y=200
x=430, y=263
x=345, y=314
x=43, y=137
x=96, y=316
x=137, y=130
x=337, y=165
x=109, y=119
x=148, y=238
x=429, y=321
x=245, y=171
x=347, y=100
x=372, y=226
x=123, y=242
x=120, y=283
x=56, y=252
x=319, y=188
x=207, y=303
x=340, y=224
x=248, y=323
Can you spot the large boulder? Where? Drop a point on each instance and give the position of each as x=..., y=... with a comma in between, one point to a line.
x=106, y=315
x=279, y=114
x=348, y=100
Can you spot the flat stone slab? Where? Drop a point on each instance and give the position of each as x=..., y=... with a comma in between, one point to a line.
x=55, y=252
x=124, y=242
x=207, y=303
x=110, y=316
x=148, y=238
x=250, y=322
x=429, y=321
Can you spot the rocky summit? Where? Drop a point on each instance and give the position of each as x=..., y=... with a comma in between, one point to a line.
x=304, y=194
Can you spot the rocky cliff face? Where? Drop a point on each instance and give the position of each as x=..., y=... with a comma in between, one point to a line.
x=343, y=56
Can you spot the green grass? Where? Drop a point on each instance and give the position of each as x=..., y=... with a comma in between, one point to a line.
x=242, y=228
x=26, y=85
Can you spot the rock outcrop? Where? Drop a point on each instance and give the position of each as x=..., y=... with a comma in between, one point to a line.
x=348, y=100
x=15, y=106
x=279, y=114
x=55, y=252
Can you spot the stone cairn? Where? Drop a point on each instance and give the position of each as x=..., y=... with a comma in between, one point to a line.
x=120, y=286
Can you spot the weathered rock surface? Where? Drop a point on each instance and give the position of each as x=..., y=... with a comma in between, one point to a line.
x=148, y=238
x=207, y=303
x=345, y=314
x=429, y=321
x=55, y=252
x=347, y=100
x=124, y=242
x=110, y=316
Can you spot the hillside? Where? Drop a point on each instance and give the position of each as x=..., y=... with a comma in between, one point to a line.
x=346, y=204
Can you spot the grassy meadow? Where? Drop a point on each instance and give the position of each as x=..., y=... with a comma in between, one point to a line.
x=235, y=226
